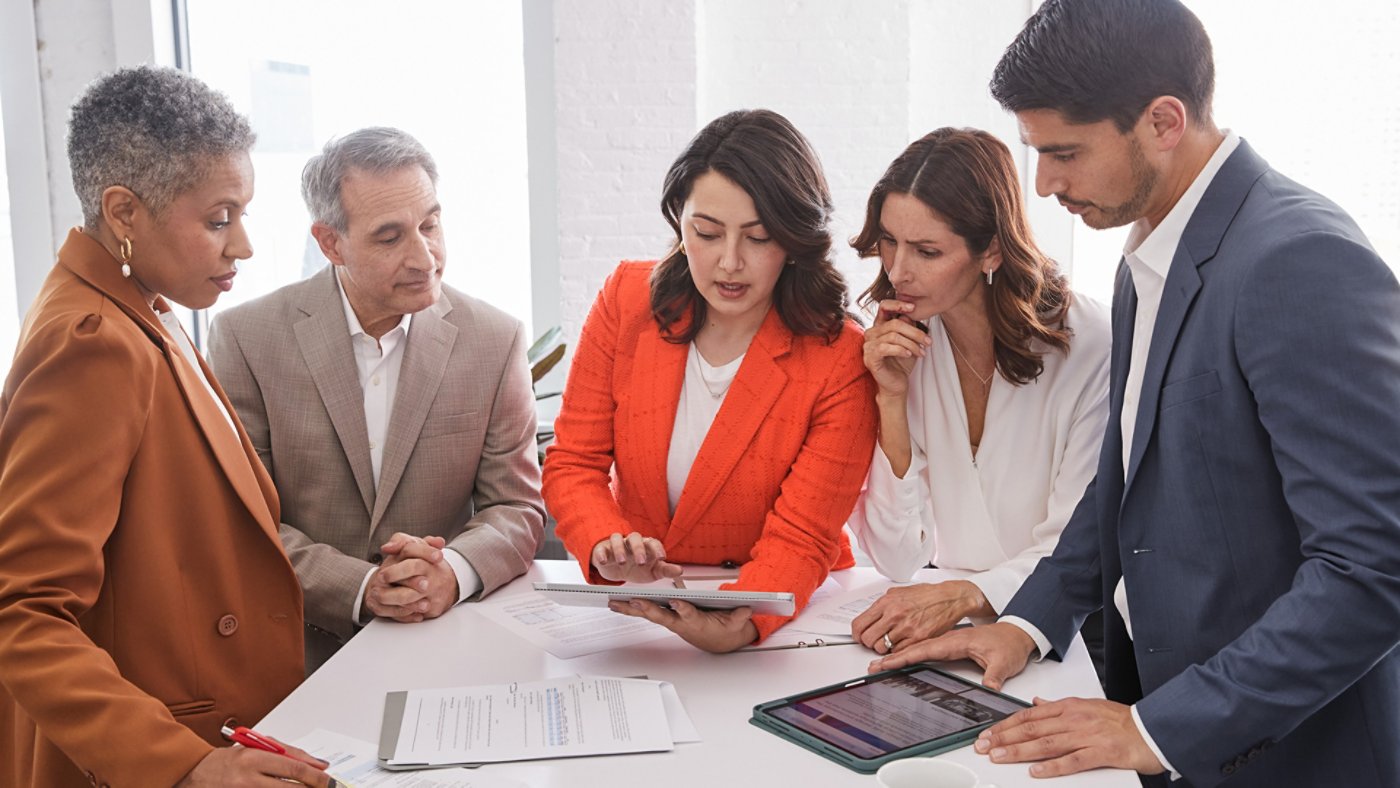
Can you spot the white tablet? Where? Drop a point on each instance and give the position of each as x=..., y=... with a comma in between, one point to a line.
x=777, y=603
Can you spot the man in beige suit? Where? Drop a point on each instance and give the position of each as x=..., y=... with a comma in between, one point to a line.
x=394, y=413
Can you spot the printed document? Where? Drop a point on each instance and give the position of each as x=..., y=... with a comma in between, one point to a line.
x=353, y=762
x=568, y=632
x=555, y=718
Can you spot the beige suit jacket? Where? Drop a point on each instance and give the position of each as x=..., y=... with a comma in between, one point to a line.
x=459, y=462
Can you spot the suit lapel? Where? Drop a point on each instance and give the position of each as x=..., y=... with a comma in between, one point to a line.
x=1182, y=285
x=229, y=444
x=658, y=372
x=1199, y=243
x=324, y=339
x=755, y=390
x=430, y=341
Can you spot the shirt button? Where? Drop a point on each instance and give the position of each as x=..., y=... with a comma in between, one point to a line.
x=372, y=446
x=376, y=559
x=374, y=380
x=228, y=625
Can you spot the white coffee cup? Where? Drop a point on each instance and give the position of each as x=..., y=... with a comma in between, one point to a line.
x=927, y=773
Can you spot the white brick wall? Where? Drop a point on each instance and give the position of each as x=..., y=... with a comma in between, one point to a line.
x=625, y=91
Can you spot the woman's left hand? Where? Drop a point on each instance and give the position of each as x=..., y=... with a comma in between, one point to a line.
x=906, y=615
x=716, y=631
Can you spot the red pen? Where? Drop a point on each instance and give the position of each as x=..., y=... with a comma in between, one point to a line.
x=251, y=738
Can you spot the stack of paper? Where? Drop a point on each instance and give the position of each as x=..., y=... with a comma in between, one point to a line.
x=555, y=718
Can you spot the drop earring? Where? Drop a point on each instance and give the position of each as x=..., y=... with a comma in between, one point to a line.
x=125, y=248
x=989, y=278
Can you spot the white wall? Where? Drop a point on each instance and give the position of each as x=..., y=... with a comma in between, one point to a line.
x=860, y=78
x=624, y=75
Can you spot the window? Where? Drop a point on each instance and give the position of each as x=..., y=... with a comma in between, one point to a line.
x=9, y=313
x=450, y=73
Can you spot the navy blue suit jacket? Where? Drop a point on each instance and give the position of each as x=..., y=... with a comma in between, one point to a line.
x=1258, y=531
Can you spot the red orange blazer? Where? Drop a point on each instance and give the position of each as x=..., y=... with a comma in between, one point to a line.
x=775, y=479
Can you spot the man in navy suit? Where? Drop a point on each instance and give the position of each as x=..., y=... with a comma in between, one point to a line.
x=1243, y=531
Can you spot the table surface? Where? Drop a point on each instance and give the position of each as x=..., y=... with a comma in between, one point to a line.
x=719, y=692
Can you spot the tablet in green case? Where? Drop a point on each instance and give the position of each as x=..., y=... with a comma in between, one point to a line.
x=867, y=722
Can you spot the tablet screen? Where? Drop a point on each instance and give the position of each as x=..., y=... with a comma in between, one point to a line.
x=894, y=712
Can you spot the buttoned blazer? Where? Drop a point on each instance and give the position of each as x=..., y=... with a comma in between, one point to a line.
x=1258, y=531
x=459, y=460
x=144, y=594
x=776, y=476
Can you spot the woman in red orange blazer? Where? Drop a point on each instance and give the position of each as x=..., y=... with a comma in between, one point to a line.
x=717, y=410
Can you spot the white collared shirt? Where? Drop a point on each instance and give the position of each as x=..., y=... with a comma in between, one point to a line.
x=182, y=341
x=379, y=362
x=1148, y=253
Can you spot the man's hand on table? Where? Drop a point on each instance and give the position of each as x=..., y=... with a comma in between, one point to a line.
x=414, y=583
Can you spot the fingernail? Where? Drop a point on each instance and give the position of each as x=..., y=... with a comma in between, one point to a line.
x=422, y=585
x=1037, y=769
x=998, y=753
x=981, y=745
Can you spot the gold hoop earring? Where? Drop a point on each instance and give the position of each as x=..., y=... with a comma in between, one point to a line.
x=125, y=248
x=680, y=247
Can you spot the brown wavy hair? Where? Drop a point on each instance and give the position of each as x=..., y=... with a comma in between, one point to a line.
x=967, y=177
x=761, y=152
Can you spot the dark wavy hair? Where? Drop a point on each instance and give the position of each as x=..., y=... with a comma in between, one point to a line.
x=761, y=152
x=967, y=177
x=1094, y=60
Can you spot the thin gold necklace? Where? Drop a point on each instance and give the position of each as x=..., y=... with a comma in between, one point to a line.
x=985, y=381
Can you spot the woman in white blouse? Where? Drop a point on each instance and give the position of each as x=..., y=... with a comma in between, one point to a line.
x=992, y=388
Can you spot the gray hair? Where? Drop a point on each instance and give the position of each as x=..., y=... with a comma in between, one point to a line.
x=156, y=131
x=377, y=150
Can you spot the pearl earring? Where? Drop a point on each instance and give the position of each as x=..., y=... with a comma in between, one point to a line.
x=125, y=248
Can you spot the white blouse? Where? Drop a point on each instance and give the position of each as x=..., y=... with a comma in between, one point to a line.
x=998, y=514
x=702, y=394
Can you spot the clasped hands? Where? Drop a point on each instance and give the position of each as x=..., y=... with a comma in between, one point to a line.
x=414, y=583
x=1058, y=737
x=634, y=558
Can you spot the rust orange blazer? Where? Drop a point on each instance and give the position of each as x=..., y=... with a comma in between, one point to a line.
x=777, y=474
x=144, y=594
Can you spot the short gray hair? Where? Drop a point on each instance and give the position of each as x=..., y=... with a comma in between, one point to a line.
x=377, y=150
x=156, y=131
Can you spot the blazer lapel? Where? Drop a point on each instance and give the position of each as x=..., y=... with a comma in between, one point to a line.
x=755, y=390
x=430, y=342
x=1199, y=243
x=229, y=443
x=324, y=339
x=658, y=372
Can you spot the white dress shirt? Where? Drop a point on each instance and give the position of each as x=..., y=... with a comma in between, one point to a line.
x=702, y=394
x=379, y=362
x=1148, y=254
x=999, y=513
x=182, y=341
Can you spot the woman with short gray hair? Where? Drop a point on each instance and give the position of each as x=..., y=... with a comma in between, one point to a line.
x=145, y=600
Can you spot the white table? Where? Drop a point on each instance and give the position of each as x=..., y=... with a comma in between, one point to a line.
x=718, y=690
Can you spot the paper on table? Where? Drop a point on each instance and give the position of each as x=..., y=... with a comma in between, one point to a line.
x=353, y=762
x=683, y=731
x=568, y=632
x=555, y=718
x=833, y=616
